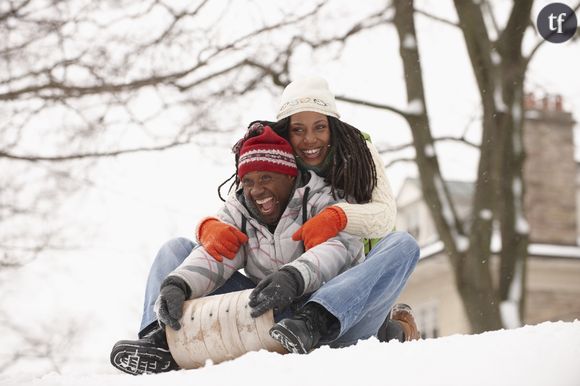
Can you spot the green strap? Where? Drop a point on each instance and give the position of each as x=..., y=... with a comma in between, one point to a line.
x=370, y=244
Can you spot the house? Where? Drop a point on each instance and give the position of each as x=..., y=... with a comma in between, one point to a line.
x=552, y=204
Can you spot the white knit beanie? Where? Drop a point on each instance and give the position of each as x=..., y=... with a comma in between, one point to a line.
x=307, y=94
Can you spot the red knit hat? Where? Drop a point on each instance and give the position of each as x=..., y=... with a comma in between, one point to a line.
x=266, y=152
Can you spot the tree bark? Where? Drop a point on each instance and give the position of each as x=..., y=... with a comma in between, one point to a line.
x=514, y=227
x=499, y=71
x=469, y=257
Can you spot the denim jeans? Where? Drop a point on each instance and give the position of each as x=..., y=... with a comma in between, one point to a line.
x=169, y=257
x=361, y=297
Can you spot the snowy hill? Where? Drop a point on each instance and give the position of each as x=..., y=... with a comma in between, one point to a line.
x=546, y=354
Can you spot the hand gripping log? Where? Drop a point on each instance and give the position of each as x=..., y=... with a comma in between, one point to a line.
x=220, y=328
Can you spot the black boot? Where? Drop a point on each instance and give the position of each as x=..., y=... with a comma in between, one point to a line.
x=301, y=333
x=147, y=355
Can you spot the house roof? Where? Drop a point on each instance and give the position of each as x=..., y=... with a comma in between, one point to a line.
x=534, y=249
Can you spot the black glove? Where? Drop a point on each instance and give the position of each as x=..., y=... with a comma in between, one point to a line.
x=173, y=293
x=276, y=291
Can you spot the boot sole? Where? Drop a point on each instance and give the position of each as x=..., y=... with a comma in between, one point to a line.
x=287, y=339
x=136, y=360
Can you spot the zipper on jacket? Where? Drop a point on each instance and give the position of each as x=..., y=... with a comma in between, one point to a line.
x=304, y=204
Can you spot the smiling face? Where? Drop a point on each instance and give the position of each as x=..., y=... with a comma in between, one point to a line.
x=269, y=193
x=309, y=136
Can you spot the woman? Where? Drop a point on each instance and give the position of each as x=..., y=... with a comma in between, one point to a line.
x=308, y=118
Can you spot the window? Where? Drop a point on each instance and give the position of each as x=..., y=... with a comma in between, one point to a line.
x=427, y=320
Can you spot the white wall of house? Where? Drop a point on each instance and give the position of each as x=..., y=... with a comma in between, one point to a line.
x=578, y=202
x=431, y=293
x=553, y=293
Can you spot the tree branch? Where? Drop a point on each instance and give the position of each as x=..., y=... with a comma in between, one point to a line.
x=516, y=26
x=70, y=157
x=436, y=18
x=13, y=11
x=399, y=160
x=541, y=42
x=379, y=106
x=461, y=140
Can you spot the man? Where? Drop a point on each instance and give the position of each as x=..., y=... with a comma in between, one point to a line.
x=273, y=202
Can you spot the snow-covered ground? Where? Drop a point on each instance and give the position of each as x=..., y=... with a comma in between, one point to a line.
x=546, y=354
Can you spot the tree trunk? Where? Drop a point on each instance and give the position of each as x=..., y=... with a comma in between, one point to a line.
x=469, y=257
x=514, y=227
x=499, y=72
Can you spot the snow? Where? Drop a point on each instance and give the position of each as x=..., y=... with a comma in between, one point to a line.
x=509, y=309
x=415, y=107
x=498, y=99
x=495, y=58
x=429, y=151
x=517, y=134
x=462, y=243
x=545, y=354
x=485, y=214
x=509, y=314
x=554, y=250
x=495, y=244
x=431, y=249
x=409, y=42
x=548, y=250
x=522, y=226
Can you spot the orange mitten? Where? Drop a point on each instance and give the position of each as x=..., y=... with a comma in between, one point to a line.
x=220, y=239
x=321, y=227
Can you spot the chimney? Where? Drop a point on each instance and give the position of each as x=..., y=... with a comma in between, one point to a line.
x=549, y=171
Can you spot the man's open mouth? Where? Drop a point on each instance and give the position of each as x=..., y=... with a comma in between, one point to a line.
x=266, y=206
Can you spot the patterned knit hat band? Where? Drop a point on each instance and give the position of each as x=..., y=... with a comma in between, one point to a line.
x=267, y=152
x=307, y=94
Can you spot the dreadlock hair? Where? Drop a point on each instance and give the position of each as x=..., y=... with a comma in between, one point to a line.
x=255, y=128
x=352, y=172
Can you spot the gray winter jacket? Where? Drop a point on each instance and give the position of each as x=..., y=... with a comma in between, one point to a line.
x=265, y=253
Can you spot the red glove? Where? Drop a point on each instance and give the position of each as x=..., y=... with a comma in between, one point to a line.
x=220, y=239
x=321, y=227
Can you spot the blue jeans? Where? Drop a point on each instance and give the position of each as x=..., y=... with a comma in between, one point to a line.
x=169, y=257
x=361, y=297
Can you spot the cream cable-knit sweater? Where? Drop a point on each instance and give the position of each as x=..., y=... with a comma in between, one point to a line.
x=376, y=218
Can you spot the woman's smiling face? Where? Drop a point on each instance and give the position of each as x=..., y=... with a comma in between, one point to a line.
x=309, y=136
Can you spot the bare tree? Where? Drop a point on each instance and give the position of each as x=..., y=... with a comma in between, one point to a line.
x=83, y=80
x=469, y=255
x=47, y=346
x=500, y=67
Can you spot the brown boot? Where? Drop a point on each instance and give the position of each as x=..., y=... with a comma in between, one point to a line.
x=404, y=315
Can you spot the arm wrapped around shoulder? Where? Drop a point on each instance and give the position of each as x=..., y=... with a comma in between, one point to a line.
x=220, y=239
x=325, y=225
